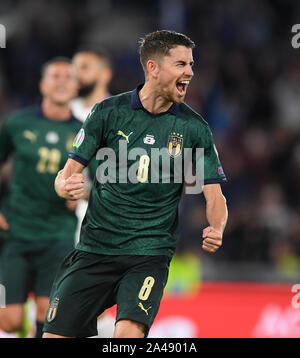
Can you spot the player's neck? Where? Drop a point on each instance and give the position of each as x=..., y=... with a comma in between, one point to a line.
x=56, y=112
x=98, y=95
x=152, y=100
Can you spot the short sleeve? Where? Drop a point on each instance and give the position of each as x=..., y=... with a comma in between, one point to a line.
x=213, y=171
x=93, y=166
x=6, y=143
x=89, y=138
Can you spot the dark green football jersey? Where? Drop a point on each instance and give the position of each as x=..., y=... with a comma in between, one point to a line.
x=138, y=218
x=40, y=148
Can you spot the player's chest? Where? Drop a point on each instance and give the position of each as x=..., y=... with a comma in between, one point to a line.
x=35, y=142
x=149, y=135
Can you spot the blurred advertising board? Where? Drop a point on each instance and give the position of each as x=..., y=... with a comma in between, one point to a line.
x=231, y=310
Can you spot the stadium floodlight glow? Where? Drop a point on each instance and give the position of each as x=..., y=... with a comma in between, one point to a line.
x=2, y=36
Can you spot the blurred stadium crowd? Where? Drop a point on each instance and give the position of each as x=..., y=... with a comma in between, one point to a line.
x=246, y=85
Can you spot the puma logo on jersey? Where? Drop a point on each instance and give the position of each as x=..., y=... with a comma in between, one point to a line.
x=143, y=308
x=124, y=135
x=30, y=135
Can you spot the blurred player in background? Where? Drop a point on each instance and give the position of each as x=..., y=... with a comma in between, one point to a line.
x=93, y=70
x=94, y=73
x=38, y=226
x=130, y=231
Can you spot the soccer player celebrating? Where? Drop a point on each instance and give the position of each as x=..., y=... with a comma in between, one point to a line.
x=39, y=226
x=130, y=230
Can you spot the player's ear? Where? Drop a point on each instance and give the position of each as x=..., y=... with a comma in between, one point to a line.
x=153, y=68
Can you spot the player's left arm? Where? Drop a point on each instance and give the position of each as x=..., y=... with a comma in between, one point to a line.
x=216, y=214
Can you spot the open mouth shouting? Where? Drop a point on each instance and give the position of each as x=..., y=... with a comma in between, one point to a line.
x=182, y=87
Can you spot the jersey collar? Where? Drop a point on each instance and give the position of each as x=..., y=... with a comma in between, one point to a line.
x=137, y=104
x=40, y=114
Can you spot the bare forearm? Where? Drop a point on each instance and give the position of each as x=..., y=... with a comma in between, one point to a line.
x=217, y=213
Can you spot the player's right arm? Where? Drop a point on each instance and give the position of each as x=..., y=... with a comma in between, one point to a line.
x=69, y=182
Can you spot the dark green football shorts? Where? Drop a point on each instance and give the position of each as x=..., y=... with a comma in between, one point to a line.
x=87, y=284
x=28, y=266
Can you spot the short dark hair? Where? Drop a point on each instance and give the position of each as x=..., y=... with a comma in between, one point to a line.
x=100, y=52
x=58, y=59
x=160, y=43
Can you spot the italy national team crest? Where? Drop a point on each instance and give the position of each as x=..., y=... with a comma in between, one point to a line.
x=52, y=309
x=175, y=144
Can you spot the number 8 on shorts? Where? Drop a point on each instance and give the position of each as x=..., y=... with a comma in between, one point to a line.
x=146, y=288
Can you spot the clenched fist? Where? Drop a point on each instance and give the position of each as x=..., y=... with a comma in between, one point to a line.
x=74, y=186
x=212, y=239
x=71, y=188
